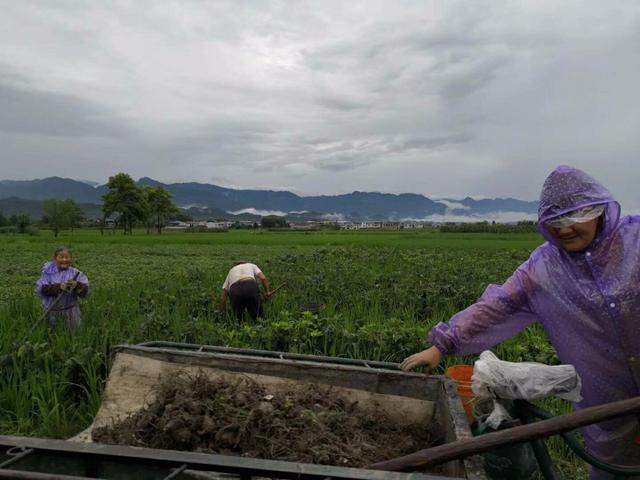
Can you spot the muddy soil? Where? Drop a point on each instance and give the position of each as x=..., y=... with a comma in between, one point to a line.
x=310, y=424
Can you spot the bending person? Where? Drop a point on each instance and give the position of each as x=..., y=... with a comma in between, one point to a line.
x=582, y=286
x=59, y=287
x=241, y=287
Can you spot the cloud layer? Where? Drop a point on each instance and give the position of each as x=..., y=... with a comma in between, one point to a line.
x=444, y=98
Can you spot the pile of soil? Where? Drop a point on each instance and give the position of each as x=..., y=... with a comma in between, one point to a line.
x=311, y=424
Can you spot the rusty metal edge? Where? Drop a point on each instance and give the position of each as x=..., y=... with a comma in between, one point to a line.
x=205, y=462
x=473, y=465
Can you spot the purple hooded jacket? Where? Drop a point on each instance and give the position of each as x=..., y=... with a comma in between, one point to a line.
x=67, y=308
x=588, y=303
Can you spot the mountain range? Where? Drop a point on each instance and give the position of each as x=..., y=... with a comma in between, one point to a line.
x=228, y=202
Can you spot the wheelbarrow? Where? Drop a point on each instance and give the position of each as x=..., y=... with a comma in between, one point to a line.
x=429, y=400
x=136, y=368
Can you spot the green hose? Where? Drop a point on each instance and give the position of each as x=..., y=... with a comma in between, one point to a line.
x=572, y=441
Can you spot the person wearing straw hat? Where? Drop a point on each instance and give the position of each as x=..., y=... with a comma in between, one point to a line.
x=241, y=287
x=583, y=286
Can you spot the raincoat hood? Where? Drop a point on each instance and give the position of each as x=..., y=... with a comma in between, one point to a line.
x=567, y=189
x=50, y=268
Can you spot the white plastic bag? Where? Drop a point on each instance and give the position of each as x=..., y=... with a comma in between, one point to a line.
x=495, y=378
x=497, y=416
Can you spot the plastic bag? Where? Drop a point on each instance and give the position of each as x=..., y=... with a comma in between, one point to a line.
x=497, y=416
x=495, y=378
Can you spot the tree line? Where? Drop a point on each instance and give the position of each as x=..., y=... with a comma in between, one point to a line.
x=525, y=226
x=126, y=203
x=20, y=222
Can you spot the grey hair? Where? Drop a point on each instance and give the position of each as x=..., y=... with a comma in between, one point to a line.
x=60, y=250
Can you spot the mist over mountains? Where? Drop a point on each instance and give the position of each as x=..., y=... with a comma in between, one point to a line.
x=222, y=201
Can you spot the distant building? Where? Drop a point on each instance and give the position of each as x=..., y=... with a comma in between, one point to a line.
x=218, y=225
x=350, y=226
x=111, y=221
x=177, y=225
x=411, y=225
x=309, y=225
x=386, y=225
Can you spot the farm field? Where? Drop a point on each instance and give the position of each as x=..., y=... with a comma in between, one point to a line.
x=381, y=291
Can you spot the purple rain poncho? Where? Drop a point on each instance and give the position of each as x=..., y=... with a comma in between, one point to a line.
x=67, y=309
x=588, y=303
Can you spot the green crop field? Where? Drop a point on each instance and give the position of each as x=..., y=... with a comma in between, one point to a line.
x=381, y=291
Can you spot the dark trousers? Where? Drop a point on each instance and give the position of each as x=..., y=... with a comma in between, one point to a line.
x=246, y=295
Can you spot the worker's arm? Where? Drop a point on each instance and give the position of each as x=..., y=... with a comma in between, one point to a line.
x=265, y=283
x=502, y=312
x=223, y=299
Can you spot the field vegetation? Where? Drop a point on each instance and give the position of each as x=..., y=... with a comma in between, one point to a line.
x=381, y=292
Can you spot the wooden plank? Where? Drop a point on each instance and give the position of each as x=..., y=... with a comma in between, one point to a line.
x=363, y=378
x=458, y=429
x=132, y=380
x=26, y=475
x=490, y=441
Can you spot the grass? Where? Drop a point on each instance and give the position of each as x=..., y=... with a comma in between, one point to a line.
x=382, y=292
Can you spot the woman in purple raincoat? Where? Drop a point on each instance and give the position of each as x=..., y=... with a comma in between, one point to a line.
x=60, y=279
x=583, y=286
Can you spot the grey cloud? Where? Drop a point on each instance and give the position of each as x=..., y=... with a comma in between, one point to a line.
x=449, y=64
x=341, y=164
x=475, y=98
x=341, y=103
x=427, y=143
x=33, y=112
x=473, y=77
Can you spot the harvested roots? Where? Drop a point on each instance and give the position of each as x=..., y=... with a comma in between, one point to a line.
x=312, y=424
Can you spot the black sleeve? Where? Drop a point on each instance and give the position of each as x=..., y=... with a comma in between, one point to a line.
x=51, y=289
x=82, y=289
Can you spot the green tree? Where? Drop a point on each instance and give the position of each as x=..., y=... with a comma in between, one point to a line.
x=147, y=218
x=23, y=221
x=74, y=212
x=3, y=220
x=125, y=198
x=182, y=216
x=160, y=206
x=273, y=221
x=61, y=214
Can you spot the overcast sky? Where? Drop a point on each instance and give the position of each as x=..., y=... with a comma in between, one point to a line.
x=443, y=98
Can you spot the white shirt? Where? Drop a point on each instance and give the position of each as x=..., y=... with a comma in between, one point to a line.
x=244, y=270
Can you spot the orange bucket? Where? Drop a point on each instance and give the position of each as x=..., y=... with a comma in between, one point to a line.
x=462, y=376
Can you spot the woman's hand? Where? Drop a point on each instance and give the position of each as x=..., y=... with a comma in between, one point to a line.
x=429, y=358
x=69, y=286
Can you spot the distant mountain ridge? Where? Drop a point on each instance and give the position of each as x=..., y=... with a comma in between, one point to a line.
x=35, y=208
x=365, y=205
x=51, y=187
